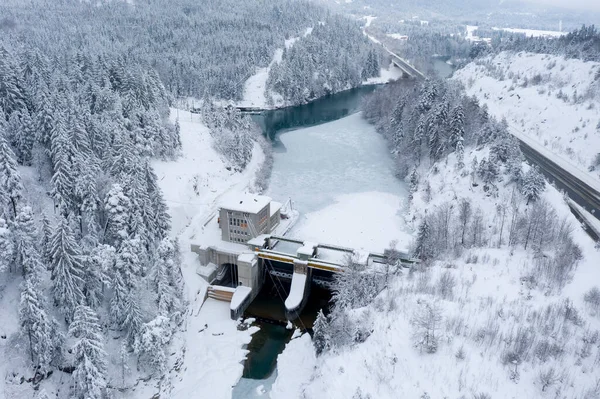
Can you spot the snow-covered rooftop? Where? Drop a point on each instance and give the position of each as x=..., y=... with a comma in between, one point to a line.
x=275, y=206
x=247, y=257
x=258, y=241
x=240, y=294
x=249, y=203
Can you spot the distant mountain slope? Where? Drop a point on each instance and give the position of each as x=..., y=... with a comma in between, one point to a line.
x=553, y=100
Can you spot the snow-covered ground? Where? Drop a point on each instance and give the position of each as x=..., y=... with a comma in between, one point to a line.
x=209, y=350
x=552, y=100
x=397, y=36
x=489, y=306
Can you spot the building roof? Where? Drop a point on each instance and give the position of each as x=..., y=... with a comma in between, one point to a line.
x=248, y=203
x=275, y=206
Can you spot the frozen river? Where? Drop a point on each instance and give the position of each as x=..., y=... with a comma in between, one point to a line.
x=340, y=177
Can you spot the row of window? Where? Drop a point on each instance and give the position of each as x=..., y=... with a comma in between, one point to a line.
x=236, y=239
x=240, y=232
x=238, y=222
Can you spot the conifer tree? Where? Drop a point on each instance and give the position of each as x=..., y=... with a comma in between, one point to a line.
x=163, y=279
x=46, y=242
x=118, y=209
x=7, y=255
x=62, y=154
x=533, y=184
x=321, y=336
x=457, y=127
x=10, y=180
x=90, y=358
x=67, y=268
x=423, y=250
x=36, y=326
x=132, y=316
x=151, y=344
x=27, y=256
x=26, y=138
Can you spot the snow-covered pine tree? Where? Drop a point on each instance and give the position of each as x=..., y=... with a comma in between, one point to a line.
x=46, y=242
x=67, y=268
x=413, y=181
x=423, y=250
x=90, y=358
x=44, y=118
x=418, y=136
x=533, y=184
x=396, y=127
x=132, y=316
x=36, y=326
x=118, y=299
x=161, y=218
x=164, y=280
x=25, y=235
x=25, y=139
x=152, y=342
x=141, y=221
x=86, y=192
x=118, y=211
x=11, y=91
x=7, y=254
x=457, y=127
x=321, y=336
x=61, y=153
x=128, y=262
x=460, y=153
x=10, y=181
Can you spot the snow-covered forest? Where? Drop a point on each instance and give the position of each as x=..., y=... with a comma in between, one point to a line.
x=335, y=56
x=200, y=50
x=84, y=225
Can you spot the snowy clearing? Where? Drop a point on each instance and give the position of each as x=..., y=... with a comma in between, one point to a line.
x=553, y=101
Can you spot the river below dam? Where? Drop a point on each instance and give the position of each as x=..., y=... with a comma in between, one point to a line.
x=340, y=176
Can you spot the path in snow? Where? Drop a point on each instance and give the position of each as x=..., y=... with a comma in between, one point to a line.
x=254, y=87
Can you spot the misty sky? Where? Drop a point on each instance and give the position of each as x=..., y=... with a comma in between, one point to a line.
x=576, y=4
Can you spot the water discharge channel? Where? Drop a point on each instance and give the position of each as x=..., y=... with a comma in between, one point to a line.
x=339, y=174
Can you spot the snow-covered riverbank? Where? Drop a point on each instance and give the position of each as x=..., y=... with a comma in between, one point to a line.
x=209, y=350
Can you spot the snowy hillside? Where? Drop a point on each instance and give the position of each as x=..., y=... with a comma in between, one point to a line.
x=554, y=101
x=497, y=331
